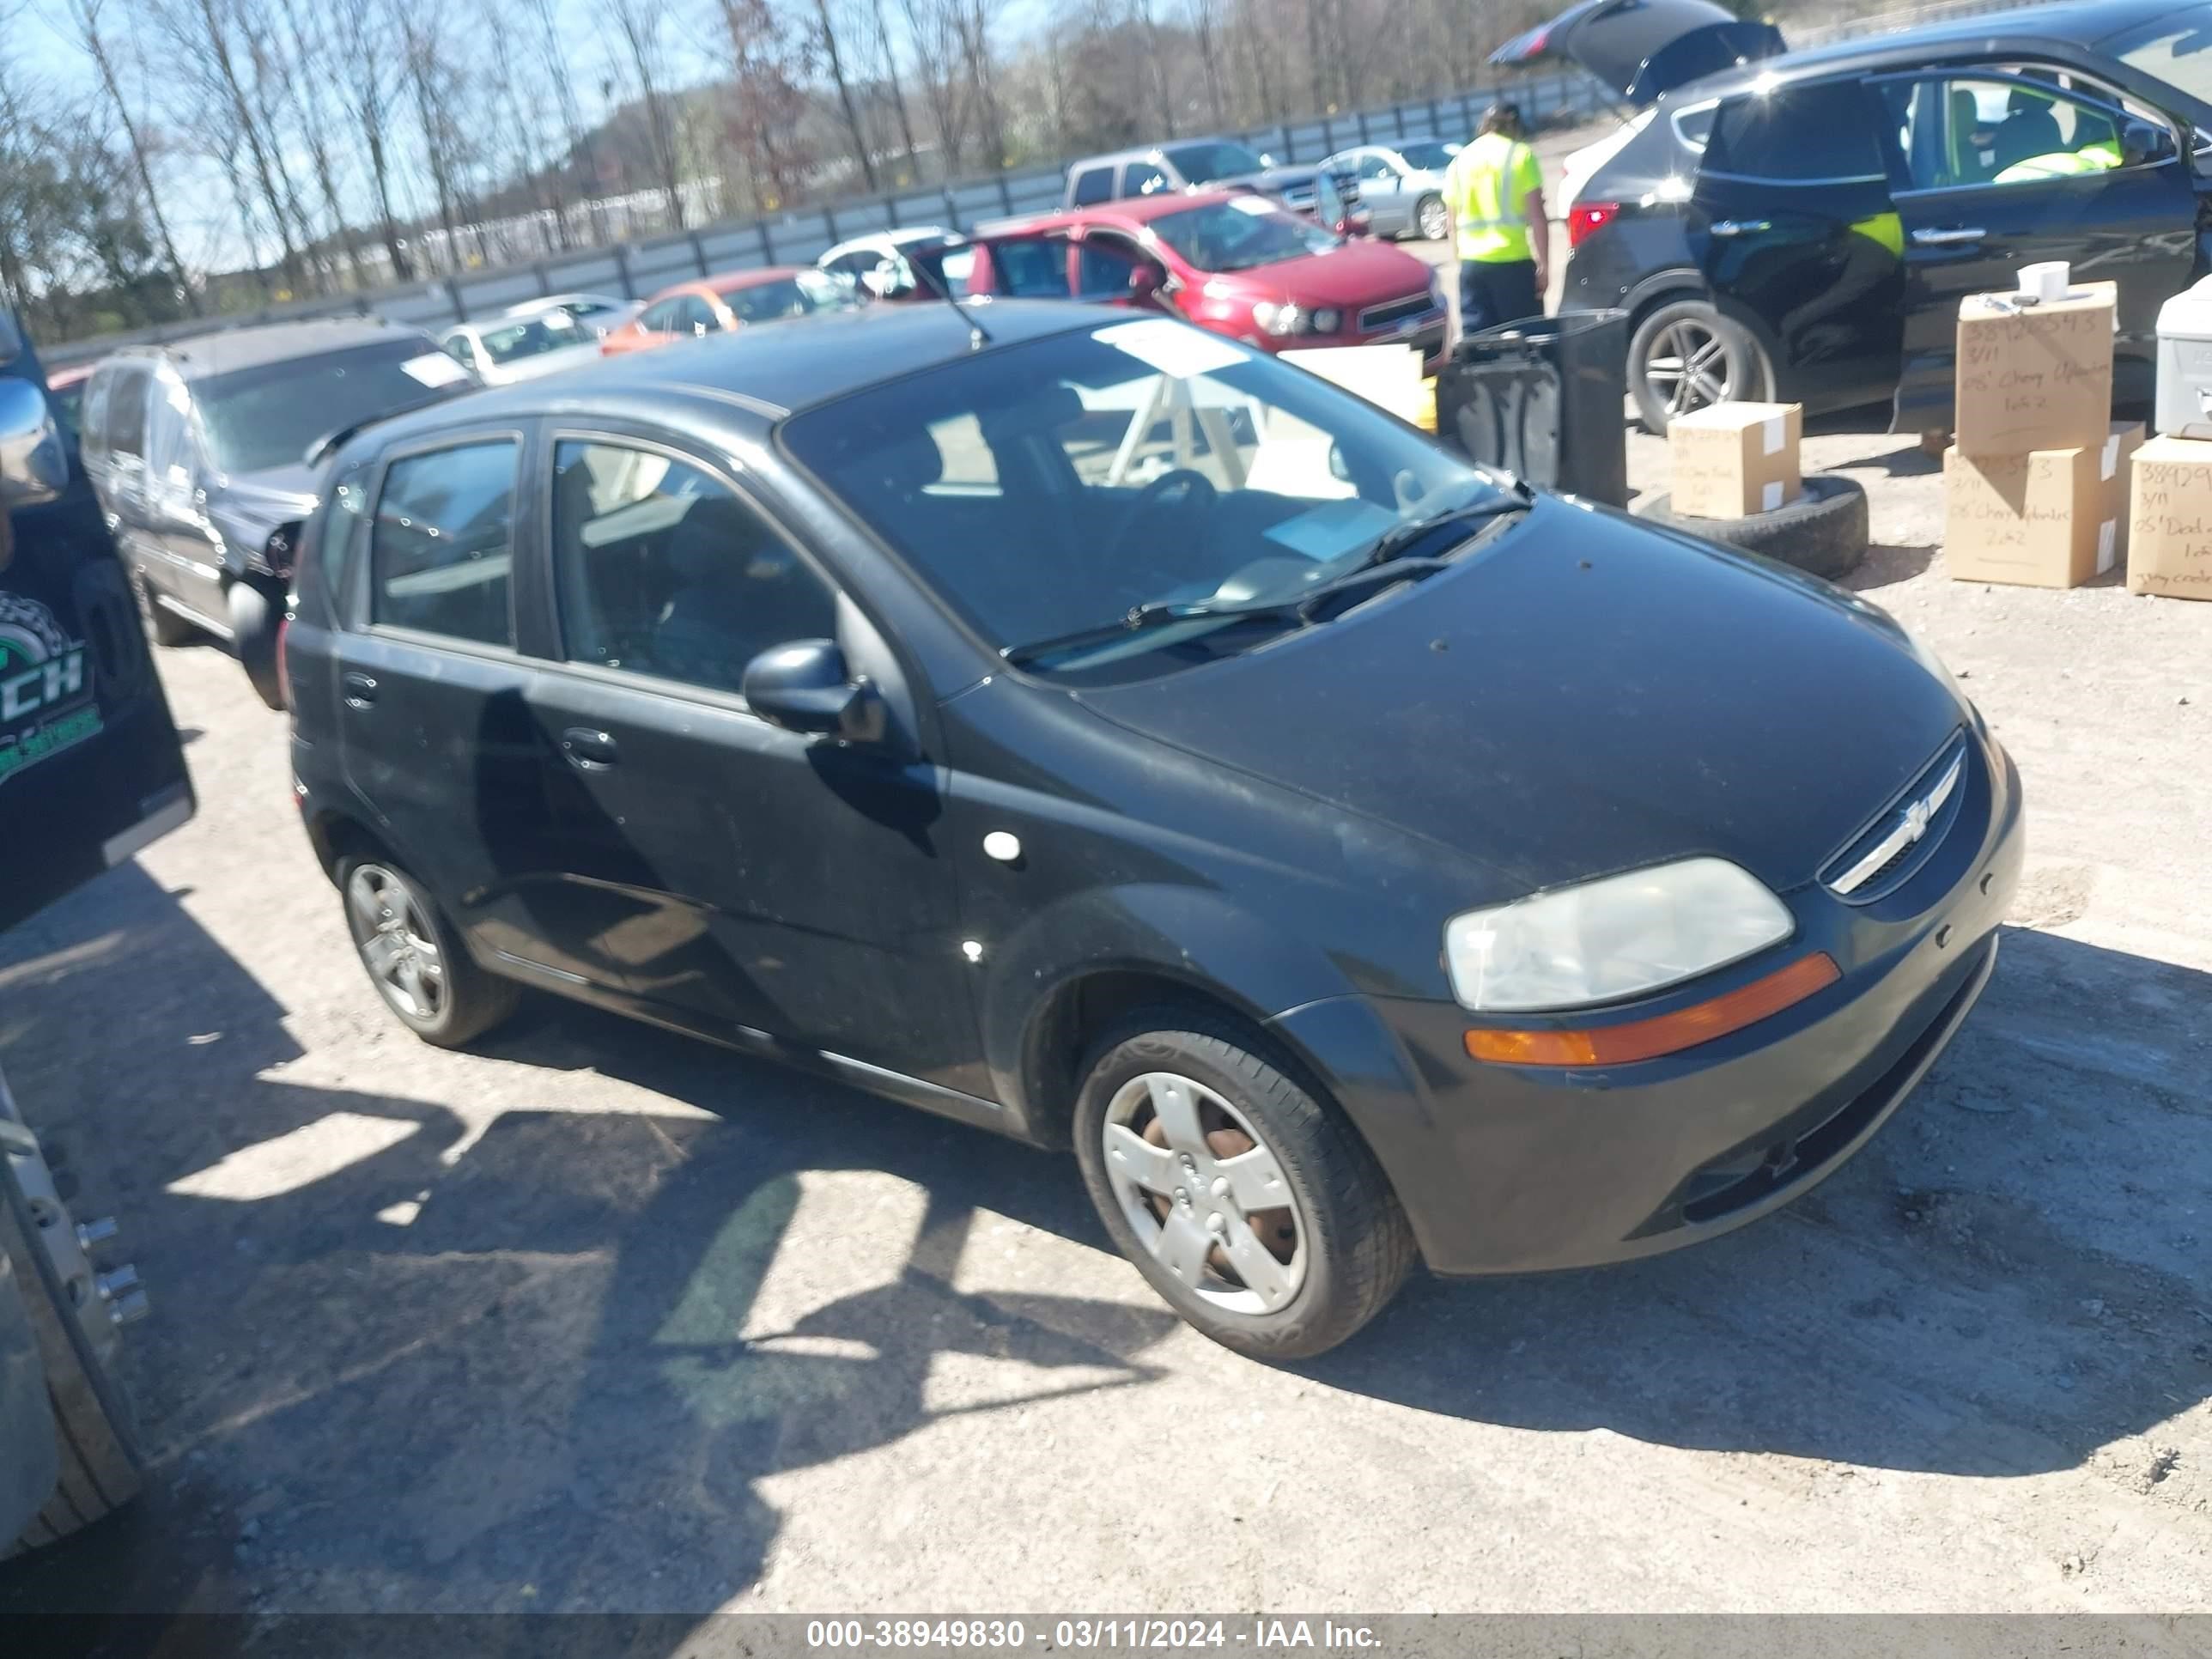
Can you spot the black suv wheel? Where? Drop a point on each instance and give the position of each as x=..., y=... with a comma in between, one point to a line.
x=1685, y=355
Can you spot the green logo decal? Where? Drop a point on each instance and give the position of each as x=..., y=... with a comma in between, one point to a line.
x=45, y=686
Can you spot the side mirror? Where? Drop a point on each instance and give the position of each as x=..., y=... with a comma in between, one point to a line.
x=34, y=467
x=1146, y=280
x=805, y=686
x=2141, y=142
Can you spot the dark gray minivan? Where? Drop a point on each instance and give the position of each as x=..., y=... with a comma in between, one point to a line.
x=198, y=450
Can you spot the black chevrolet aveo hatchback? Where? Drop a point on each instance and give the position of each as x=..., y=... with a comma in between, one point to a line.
x=1102, y=733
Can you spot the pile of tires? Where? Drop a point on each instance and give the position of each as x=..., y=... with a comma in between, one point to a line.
x=1822, y=531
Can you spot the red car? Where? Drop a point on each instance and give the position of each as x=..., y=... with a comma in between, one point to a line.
x=715, y=305
x=1237, y=264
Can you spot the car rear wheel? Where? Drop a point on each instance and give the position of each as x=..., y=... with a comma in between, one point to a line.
x=1432, y=220
x=412, y=957
x=1248, y=1203
x=1686, y=357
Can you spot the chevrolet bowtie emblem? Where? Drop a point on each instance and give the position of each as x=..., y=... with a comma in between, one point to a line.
x=1916, y=820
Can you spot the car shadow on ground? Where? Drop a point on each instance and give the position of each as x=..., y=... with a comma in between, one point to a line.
x=1884, y=566
x=537, y=1375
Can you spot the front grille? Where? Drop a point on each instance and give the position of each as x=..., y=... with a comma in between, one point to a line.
x=1883, y=856
x=1395, y=311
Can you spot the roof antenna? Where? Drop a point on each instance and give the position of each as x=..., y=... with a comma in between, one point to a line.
x=978, y=336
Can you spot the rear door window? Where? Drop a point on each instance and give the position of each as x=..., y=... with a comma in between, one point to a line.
x=1092, y=185
x=658, y=319
x=1805, y=135
x=1030, y=268
x=441, y=553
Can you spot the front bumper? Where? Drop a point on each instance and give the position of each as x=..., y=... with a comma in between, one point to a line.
x=1518, y=1169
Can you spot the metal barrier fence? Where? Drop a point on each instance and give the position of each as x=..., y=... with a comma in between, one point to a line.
x=636, y=268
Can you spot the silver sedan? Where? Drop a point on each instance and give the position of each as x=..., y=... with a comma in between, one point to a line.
x=1401, y=186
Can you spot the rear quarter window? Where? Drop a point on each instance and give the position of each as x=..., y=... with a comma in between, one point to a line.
x=1091, y=185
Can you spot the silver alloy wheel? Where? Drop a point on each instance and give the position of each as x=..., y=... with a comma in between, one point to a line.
x=396, y=943
x=1435, y=223
x=1687, y=366
x=1191, y=1173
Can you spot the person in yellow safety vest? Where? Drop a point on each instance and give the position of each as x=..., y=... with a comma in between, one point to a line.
x=1495, y=193
x=2062, y=164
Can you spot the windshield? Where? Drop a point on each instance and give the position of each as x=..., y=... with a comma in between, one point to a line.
x=556, y=330
x=2176, y=48
x=1202, y=163
x=1239, y=235
x=1060, y=485
x=786, y=296
x=1430, y=154
x=257, y=419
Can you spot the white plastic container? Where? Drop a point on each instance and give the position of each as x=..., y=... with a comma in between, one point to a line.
x=2185, y=364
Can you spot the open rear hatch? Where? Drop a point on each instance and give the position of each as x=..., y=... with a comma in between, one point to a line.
x=1644, y=49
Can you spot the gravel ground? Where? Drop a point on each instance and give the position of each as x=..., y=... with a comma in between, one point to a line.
x=597, y=1318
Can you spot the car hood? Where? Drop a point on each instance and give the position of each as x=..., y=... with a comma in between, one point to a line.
x=259, y=502
x=1357, y=272
x=548, y=362
x=1587, y=694
x=1644, y=49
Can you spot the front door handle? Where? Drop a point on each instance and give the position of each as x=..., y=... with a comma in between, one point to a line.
x=589, y=749
x=1952, y=237
x=1740, y=226
x=360, y=689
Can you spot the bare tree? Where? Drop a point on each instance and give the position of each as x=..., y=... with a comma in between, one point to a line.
x=827, y=38
x=83, y=16
x=421, y=54
x=887, y=58
x=640, y=23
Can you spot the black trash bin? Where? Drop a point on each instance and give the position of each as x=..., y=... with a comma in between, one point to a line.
x=1543, y=398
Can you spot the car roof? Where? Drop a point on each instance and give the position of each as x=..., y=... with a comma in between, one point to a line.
x=1133, y=211
x=2071, y=26
x=221, y=351
x=740, y=382
x=1140, y=152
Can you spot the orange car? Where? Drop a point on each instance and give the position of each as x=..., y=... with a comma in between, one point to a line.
x=713, y=304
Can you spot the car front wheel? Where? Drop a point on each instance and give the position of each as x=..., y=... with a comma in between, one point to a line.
x=1432, y=220
x=1685, y=356
x=418, y=966
x=1250, y=1205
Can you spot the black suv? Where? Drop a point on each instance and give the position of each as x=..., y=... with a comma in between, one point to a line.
x=1093, y=729
x=1804, y=226
x=200, y=451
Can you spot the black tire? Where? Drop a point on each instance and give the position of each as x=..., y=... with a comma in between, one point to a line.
x=1357, y=1245
x=255, y=615
x=470, y=1001
x=1431, y=205
x=96, y=1432
x=1823, y=533
x=1656, y=342
x=167, y=627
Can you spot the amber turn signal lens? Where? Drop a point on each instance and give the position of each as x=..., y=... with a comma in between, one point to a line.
x=1663, y=1034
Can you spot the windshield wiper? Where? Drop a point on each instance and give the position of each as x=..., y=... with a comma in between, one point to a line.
x=1298, y=608
x=1393, y=543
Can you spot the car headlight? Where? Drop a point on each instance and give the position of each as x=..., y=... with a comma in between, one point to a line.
x=1278, y=320
x=1327, y=320
x=1620, y=936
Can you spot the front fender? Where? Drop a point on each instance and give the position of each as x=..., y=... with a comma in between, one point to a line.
x=1181, y=935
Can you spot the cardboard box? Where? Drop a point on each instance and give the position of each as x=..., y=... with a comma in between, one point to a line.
x=2116, y=465
x=2170, y=538
x=2046, y=519
x=2035, y=377
x=1733, y=459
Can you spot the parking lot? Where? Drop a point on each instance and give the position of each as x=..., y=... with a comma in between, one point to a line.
x=597, y=1318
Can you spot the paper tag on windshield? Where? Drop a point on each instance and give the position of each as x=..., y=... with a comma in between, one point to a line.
x=1173, y=349
x=1256, y=206
x=433, y=368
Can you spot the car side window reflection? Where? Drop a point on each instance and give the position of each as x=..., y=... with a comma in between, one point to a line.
x=441, y=552
x=662, y=570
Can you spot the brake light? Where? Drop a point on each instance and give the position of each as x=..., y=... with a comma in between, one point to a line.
x=1584, y=217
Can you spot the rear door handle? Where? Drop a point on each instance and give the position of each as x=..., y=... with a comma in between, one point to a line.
x=1740, y=226
x=1952, y=237
x=589, y=749
x=360, y=689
